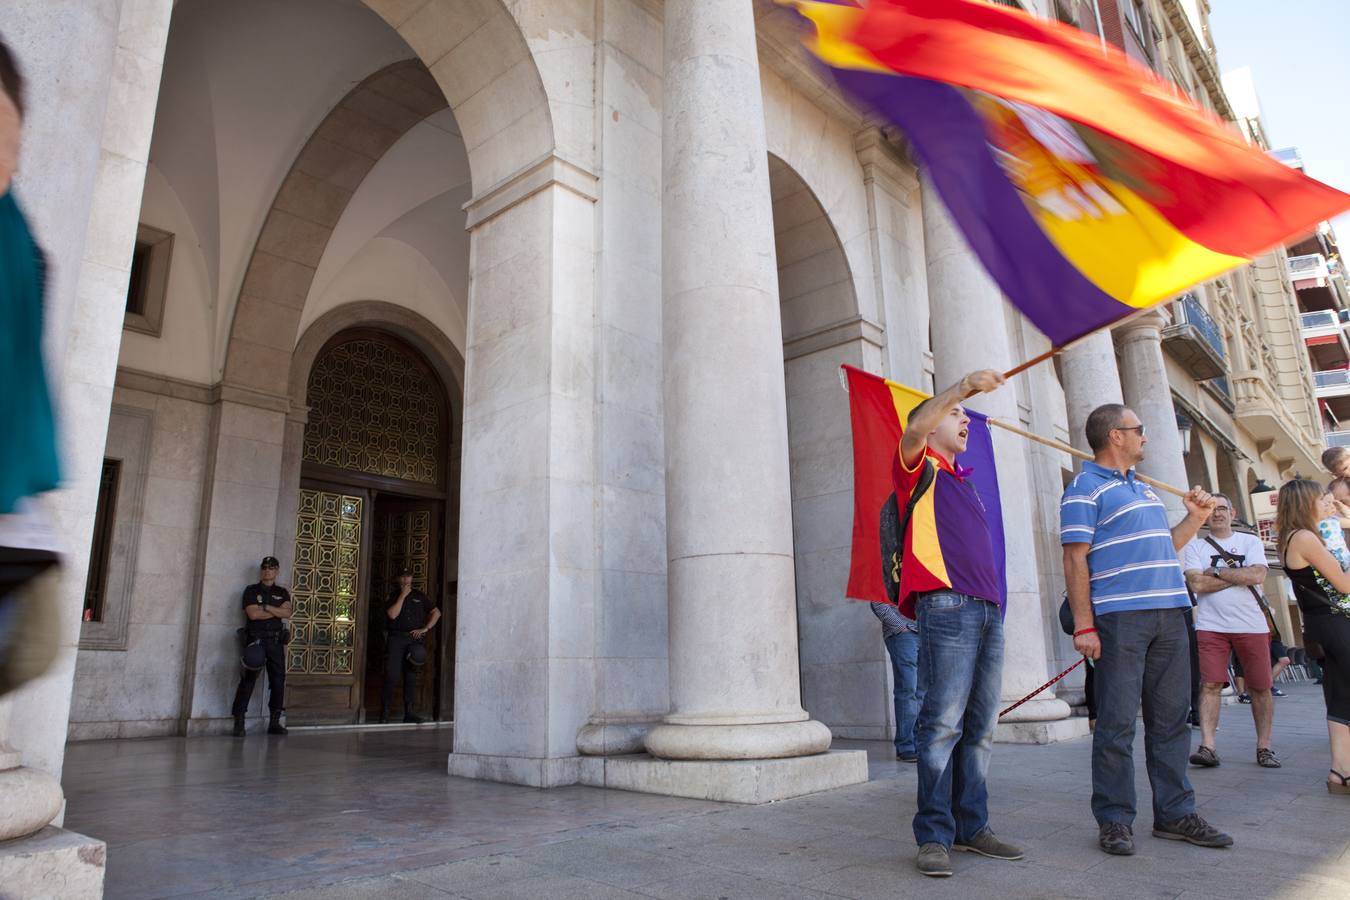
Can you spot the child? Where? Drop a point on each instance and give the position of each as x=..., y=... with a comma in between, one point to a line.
x=1336, y=460
x=1331, y=527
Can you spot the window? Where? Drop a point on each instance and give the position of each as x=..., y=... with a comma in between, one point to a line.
x=149, y=280
x=1135, y=21
x=96, y=584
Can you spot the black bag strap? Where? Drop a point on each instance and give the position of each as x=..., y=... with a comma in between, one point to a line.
x=921, y=487
x=1232, y=561
x=1256, y=593
x=894, y=527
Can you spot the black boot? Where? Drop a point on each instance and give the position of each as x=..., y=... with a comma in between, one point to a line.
x=238, y=726
x=275, y=726
x=410, y=716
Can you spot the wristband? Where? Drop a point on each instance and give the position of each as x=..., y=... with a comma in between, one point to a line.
x=1082, y=631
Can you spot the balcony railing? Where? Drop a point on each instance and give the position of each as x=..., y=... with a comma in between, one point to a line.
x=1195, y=339
x=1325, y=318
x=1309, y=267
x=1332, y=378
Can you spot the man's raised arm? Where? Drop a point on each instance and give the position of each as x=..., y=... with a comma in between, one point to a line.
x=927, y=415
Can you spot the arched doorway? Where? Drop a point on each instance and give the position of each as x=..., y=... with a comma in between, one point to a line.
x=374, y=486
x=842, y=664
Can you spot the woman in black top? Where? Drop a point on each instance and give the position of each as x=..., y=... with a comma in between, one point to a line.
x=1312, y=569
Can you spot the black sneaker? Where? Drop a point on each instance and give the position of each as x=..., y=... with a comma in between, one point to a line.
x=1244, y=698
x=1193, y=830
x=1277, y=692
x=413, y=719
x=275, y=726
x=907, y=757
x=1116, y=838
x=238, y=726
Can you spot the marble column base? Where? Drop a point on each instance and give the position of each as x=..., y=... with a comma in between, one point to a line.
x=738, y=742
x=1038, y=710
x=613, y=738
x=539, y=772
x=729, y=781
x=1050, y=732
x=53, y=863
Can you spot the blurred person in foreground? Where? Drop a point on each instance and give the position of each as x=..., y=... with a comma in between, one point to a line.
x=29, y=561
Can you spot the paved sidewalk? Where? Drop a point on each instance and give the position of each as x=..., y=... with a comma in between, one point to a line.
x=185, y=825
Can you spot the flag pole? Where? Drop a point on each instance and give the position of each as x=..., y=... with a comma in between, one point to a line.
x=1075, y=452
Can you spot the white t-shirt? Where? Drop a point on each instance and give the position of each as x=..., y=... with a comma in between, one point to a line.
x=1232, y=610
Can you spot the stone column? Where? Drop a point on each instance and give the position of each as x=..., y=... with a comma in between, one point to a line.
x=735, y=690
x=93, y=70
x=970, y=331
x=1091, y=378
x=1143, y=378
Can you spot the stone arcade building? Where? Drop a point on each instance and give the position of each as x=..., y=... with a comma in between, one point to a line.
x=544, y=298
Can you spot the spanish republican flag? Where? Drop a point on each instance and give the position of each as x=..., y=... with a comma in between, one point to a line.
x=1088, y=187
x=879, y=409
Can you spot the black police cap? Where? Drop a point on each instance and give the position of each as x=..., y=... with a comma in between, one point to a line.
x=270, y=562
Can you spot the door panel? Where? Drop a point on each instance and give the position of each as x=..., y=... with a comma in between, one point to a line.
x=404, y=532
x=328, y=633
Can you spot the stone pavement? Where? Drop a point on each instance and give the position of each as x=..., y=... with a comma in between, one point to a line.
x=371, y=814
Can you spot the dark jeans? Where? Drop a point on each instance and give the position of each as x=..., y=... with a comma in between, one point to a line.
x=960, y=672
x=276, y=678
x=903, y=648
x=1145, y=657
x=396, y=649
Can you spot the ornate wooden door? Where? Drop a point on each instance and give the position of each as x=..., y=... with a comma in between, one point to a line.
x=326, y=653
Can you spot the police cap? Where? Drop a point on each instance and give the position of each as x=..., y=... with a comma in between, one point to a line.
x=417, y=654
x=255, y=657
x=270, y=562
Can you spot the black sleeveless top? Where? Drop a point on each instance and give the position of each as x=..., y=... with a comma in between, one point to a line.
x=1312, y=599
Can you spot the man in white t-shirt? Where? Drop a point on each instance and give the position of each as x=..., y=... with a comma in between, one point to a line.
x=1229, y=618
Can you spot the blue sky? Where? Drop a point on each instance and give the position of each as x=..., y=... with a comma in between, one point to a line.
x=1299, y=53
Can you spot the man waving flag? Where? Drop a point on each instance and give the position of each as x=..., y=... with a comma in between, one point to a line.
x=1088, y=187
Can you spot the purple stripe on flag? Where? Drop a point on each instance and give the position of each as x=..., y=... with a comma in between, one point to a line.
x=979, y=456
x=950, y=139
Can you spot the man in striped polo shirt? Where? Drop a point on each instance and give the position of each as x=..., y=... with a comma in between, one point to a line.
x=1129, y=601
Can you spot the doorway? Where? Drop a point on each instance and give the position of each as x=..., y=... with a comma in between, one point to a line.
x=373, y=498
x=405, y=531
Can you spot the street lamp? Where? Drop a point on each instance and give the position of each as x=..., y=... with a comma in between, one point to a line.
x=1184, y=426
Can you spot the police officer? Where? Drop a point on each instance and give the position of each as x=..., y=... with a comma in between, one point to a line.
x=267, y=606
x=411, y=616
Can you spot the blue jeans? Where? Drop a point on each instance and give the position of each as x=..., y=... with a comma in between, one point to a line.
x=903, y=648
x=1145, y=658
x=961, y=673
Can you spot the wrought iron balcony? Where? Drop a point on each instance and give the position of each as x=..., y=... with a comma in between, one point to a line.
x=1195, y=340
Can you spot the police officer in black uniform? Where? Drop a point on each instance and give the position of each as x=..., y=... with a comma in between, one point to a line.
x=267, y=605
x=411, y=615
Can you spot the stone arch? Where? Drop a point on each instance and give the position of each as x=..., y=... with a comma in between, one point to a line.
x=815, y=280
x=842, y=663
x=419, y=333
x=479, y=58
x=472, y=57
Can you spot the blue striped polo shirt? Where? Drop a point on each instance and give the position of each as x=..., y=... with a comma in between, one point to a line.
x=1132, y=560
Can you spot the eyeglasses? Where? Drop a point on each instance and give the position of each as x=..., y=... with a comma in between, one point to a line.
x=1138, y=428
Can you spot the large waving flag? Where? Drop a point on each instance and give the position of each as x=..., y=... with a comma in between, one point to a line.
x=879, y=410
x=1088, y=187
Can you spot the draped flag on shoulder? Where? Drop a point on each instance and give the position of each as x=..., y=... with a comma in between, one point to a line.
x=879, y=409
x=1087, y=186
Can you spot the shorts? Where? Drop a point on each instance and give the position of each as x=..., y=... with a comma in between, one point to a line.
x=1253, y=650
x=1278, y=651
